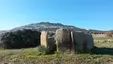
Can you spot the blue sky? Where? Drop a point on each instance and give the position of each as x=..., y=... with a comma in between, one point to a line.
x=89, y=14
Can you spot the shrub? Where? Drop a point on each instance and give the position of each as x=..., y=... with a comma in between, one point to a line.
x=20, y=39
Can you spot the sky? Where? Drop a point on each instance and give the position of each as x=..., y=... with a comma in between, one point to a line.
x=88, y=14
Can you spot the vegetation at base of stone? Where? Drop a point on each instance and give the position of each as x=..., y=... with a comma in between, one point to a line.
x=20, y=39
x=42, y=50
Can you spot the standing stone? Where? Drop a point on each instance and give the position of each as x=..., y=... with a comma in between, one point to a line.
x=83, y=42
x=47, y=42
x=73, y=43
x=63, y=40
x=90, y=42
x=79, y=39
x=44, y=38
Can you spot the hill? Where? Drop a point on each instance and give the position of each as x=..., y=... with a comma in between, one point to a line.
x=46, y=26
x=52, y=27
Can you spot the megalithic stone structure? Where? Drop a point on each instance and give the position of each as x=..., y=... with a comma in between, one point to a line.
x=68, y=41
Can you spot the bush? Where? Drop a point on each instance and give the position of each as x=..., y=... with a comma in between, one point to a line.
x=20, y=39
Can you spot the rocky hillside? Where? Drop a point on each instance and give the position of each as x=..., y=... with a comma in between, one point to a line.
x=46, y=26
x=51, y=27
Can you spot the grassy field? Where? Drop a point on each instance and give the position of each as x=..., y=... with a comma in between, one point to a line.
x=103, y=54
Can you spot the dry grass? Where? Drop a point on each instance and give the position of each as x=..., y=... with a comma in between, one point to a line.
x=101, y=55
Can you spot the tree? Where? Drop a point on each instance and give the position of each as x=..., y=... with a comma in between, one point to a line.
x=20, y=39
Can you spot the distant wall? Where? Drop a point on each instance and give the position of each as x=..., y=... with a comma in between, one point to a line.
x=99, y=35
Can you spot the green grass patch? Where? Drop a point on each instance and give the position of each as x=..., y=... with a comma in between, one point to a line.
x=3, y=50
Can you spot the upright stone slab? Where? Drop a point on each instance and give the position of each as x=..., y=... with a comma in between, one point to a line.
x=44, y=38
x=83, y=42
x=47, y=41
x=90, y=42
x=79, y=38
x=63, y=40
x=73, y=42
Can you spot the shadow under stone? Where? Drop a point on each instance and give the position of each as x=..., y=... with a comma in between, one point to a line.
x=104, y=50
